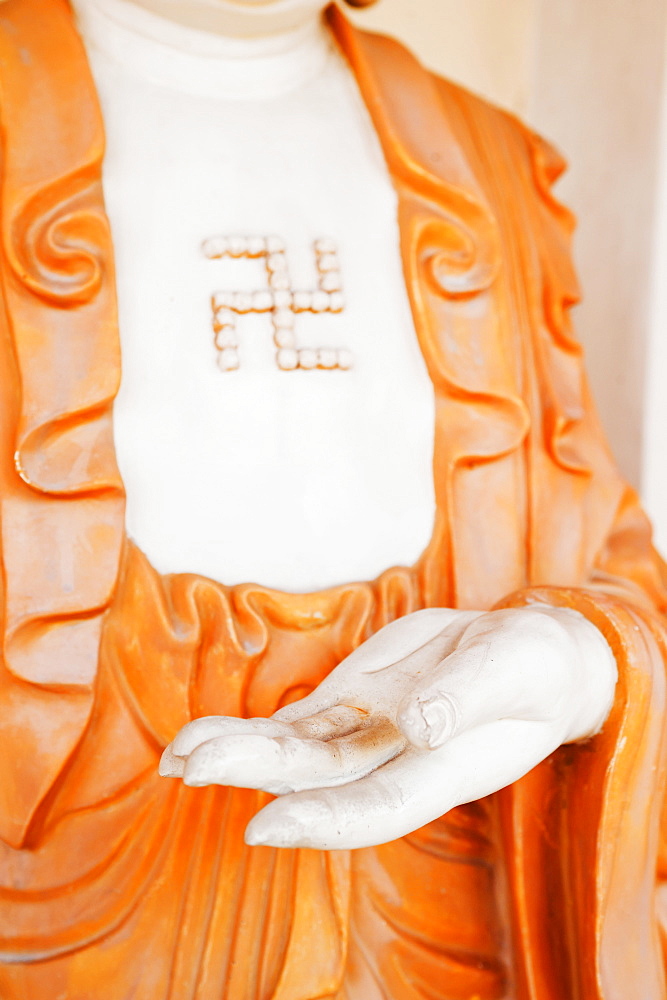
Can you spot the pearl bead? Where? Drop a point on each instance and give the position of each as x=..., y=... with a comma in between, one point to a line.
x=276, y=262
x=287, y=360
x=282, y=299
x=243, y=302
x=302, y=301
x=238, y=246
x=226, y=337
x=336, y=302
x=330, y=282
x=216, y=247
x=224, y=317
x=320, y=302
x=307, y=358
x=256, y=246
x=327, y=358
x=262, y=301
x=222, y=300
x=284, y=338
x=345, y=359
x=228, y=360
x=279, y=280
x=325, y=245
x=274, y=244
x=328, y=262
x=283, y=317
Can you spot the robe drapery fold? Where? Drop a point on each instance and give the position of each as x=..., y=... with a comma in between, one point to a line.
x=117, y=884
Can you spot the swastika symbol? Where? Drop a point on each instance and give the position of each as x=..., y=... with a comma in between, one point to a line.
x=280, y=300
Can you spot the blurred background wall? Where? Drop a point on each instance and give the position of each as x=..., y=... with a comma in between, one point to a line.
x=591, y=76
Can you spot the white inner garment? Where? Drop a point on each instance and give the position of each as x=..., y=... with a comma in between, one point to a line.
x=296, y=480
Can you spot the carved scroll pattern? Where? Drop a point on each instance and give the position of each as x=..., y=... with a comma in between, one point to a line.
x=59, y=241
x=561, y=360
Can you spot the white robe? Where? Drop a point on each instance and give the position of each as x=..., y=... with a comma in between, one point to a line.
x=298, y=480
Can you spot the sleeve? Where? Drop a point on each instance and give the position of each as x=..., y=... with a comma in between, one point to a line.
x=585, y=831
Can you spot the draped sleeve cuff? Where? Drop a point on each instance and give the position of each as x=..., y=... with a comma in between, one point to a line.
x=582, y=829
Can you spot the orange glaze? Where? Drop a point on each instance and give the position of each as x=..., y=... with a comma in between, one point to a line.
x=115, y=884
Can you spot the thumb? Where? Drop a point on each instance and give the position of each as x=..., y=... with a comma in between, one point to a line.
x=433, y=712
x=510, y=664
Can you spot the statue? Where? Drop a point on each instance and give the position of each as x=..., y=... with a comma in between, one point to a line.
x=331, y=266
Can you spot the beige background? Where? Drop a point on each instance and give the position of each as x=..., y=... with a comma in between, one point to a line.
x=588, y=74
x=485, y=44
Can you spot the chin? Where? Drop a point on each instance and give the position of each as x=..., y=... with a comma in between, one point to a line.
x=277, y=3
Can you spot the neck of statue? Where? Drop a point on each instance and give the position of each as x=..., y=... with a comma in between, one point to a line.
x=281, y=53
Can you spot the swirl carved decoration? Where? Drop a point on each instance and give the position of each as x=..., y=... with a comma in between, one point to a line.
x=59, y=240
x=469, y=262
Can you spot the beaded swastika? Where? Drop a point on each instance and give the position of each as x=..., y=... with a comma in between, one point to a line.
x=280, y=300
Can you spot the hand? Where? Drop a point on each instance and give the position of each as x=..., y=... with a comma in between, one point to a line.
x=439, y=708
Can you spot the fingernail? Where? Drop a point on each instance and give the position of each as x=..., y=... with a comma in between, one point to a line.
x=170, y=766
x=440, y=720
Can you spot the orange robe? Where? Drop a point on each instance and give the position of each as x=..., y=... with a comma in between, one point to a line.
x=118, y=885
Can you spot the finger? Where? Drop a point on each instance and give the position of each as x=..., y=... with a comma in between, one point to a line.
x=429, y=717
x=170, y=766
x=461, y=694
x=287, y=764
x=509, y=664
x=212, y=726
x=172, y=762
x=324, y=696
x=340, y=720
x=406, y=636
x=360, y=814
x=407, y=793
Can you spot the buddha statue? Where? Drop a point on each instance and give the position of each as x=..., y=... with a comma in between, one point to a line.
x=334, y=641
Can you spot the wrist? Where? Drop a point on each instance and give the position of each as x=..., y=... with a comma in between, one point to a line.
x=594, y=674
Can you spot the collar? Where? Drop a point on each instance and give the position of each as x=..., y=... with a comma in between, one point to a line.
x=202, y=63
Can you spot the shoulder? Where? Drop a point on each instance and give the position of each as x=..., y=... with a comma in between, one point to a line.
x=412, y=98
x=488, y=122
x=513, y=162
